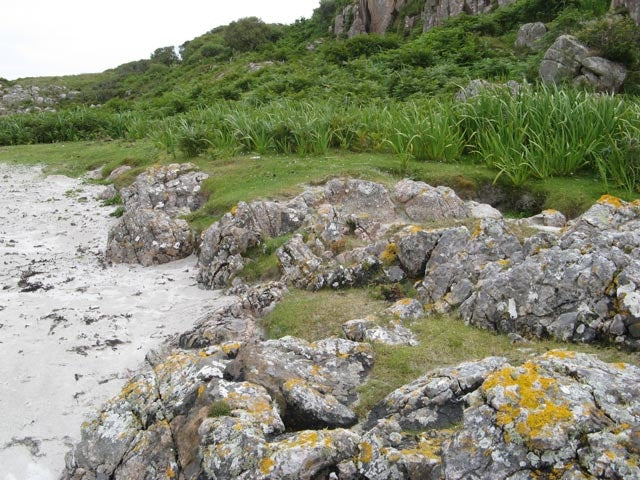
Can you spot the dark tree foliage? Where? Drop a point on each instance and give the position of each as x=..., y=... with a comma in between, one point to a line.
x=248, y=34
x=165, y=55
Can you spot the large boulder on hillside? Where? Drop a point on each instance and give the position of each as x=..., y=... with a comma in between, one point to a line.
x=569, y=60
x=530, y=34
x=563, y=60
x=602, y=74
x=150, y=230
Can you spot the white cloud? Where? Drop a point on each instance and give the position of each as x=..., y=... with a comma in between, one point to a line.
x=41, y=37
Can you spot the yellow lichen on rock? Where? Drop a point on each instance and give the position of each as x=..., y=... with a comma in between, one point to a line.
x=266, y=465
x=390, y=253
x=562, y=354
x=610, y=200
x=170, y=473
x=528, y=404
x=366, y=452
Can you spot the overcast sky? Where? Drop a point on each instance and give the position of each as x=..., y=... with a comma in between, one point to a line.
x=63, y=37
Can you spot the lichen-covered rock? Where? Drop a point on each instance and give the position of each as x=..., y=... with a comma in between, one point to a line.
x=414, y=246
x=368, y=330
x=387, y=452
x=236, y=321
x=632, y=6
x=563, y=60
x=333, y=368
x=437, y=11
x=149, y=237
x=460, y=258
x=549, y=415
x=150, y=231
x=603, y=74
x=424, y=203
x=530, y=34
x=546, y=218
x=132, y=436
x=248, y=225
x=579, y=288
x=360, y=198
x=406, y=309
x=434, y=400
x=307, y=455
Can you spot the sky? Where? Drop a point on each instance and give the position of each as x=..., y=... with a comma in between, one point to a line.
x=65, y=37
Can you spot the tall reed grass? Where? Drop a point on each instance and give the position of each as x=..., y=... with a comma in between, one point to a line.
x=536, y=133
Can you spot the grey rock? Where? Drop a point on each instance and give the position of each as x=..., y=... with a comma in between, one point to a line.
x=434, y=400
x=150, y=231
x=406, y=309
x=224, y=244
x=414, y=246
x=360, y=198
x=107, y=193
x=603, y=74
x=117, y=172
x=424, y=203
x=368, y=330
x=563, y=60
x=332, y=367
x=149, y=237
x=530, y=34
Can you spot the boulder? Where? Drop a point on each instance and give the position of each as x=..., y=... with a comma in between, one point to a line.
x=150, y=230
x=368, y=330
x=604, y=75
x=530, y=34
x=314, y=384
x=553, y=413
x=117, y=172
x=563, y=60
x=149, y=237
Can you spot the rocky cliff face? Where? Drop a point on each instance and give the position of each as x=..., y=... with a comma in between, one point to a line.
x=633, y=6
x=376, y=16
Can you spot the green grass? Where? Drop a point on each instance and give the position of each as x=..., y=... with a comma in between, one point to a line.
x=263, y=263
x=219, y=409
x=76, y=158
x=444, y=340
x=313, y=316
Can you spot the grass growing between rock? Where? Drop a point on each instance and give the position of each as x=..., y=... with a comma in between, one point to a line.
x=316, y=315
x=444, y=340
x=263, y=263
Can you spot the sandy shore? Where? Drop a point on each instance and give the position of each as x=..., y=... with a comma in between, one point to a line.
x=72, y=330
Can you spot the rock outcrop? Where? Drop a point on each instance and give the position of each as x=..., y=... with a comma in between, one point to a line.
x=563, y=414
x=343, y=233
x=377, y=16
x=632, y=6
x=569, y=60
x=151, y=230
x=579, y=286
x=19, y=99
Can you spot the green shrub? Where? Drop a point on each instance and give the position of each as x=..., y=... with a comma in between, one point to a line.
x=616, y=38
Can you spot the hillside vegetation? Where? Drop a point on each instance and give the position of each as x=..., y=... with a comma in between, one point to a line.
x=251, y=87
